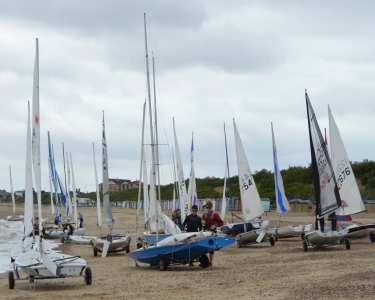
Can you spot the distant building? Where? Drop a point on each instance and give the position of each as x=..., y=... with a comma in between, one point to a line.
x=118, y=185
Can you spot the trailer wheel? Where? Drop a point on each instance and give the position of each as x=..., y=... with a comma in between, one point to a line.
x=272, y=241
x=302, y=236
x=95, y=252
x=372, y=237
x=239, y=244
x=127, y=249
x=347, y=244
x=163, y=265
x=88, y=276
x=205, y=262
x=304, y=246
x=11, y=280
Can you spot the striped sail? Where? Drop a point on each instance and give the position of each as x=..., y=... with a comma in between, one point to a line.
x=349, y=193
x=281, y=200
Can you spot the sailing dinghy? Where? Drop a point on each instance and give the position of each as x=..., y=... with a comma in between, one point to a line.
x=348, y=189
x=252, y=208
x=112, y=243
x=13, y=217
x=234, y=229
x=39, y=263
x=282, y=204
x=327, y=195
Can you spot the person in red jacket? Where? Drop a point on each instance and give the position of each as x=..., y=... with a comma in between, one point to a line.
x=211, y=221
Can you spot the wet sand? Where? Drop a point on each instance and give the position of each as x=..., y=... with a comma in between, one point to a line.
x=259, y=271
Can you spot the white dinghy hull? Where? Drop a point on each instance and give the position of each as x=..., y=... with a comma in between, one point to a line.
x=292, y=231
x=116, y=245
x=256, y=236
x=15, y=218
x=32, y=264
x=319, y=239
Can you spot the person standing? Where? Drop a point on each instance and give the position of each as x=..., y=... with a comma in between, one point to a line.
x=193, y=222
x=211, y=220
x=80, y=220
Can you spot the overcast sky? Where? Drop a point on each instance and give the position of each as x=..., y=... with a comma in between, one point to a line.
x=214, y=61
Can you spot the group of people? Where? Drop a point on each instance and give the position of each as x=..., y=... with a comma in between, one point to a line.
x=209, y=221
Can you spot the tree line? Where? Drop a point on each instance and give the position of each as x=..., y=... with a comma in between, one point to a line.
x=298, y=184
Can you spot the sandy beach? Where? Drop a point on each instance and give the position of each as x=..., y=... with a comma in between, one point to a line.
x=259, y=271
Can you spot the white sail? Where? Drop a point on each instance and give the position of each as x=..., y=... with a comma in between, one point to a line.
x=251, y=203
x=349, y=193
x=12, y=191
x=74, y=193
x=146, y=206
x=326, y=193
x=184, y=205
x=98, y=212
x=281, y=200
x=28, y=220
x=36, y=136
x=106, y=204
x=192, y=188
x=154, y=206
x=169, y=226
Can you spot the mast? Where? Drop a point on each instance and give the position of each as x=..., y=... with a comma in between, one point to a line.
x=174, y=184
x=36, y=139
x=151, y=129
x=157, y=148
x=140, y=180
x=230, y=191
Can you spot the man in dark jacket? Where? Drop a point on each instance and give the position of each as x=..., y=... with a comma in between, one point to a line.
x=193, y=222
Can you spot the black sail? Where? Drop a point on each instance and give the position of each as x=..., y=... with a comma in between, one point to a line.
x=327, y=196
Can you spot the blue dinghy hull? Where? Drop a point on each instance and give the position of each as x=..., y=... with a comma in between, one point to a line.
x=180, y=252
